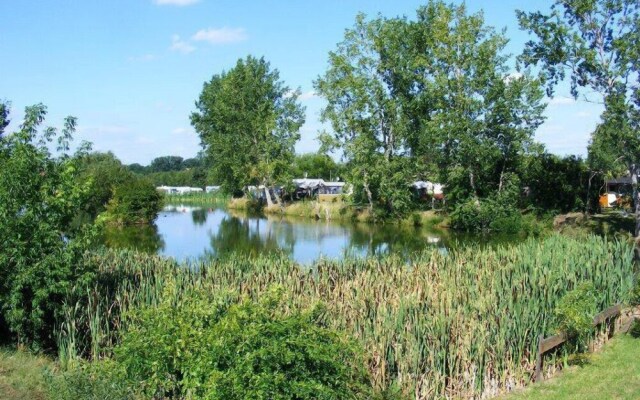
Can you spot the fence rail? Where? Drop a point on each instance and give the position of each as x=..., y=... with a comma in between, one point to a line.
x=551, y=342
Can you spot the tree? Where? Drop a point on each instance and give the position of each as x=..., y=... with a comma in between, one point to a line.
x=412, y=99
x=40, y=257
x=166, y=163
x=248, y=122
x=4, y=115
x=365, y=114
x=104, y=172
x=595, y=43
x=316, y=165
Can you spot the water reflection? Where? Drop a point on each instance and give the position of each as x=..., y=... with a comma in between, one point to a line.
x=144, y=238
x=189, y=232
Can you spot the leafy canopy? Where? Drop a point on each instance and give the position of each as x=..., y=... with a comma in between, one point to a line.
x=248, y=122
x=39, y=253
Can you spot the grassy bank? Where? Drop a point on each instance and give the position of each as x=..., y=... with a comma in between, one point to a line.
x=612, y=373
x=462, y=324
x=22, y=375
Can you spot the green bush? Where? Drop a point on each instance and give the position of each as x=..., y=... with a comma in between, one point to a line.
x=575, y=311
x=635, y=329
x=196, y=346
x=134, y=202
x=487, y=215
x=39, y=254
x=635, y=293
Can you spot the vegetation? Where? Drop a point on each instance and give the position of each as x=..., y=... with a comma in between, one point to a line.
x=608, y=374
x=420, y=338
x=215, y=350
x=398, y=116
x=40, y=256
x=249, y=122
x=603, y=59
x=134, y=202
x=22, y=375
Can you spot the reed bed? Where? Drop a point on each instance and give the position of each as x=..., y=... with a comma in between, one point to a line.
x=457, y=325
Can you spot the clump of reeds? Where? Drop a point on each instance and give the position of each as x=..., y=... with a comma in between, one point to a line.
x=456, y=325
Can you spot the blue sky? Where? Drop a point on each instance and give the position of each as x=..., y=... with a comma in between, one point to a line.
x=131, y=70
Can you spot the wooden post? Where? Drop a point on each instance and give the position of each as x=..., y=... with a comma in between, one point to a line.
x=538, y=373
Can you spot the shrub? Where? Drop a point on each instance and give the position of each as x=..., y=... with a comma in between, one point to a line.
x=193, y=345
x=635, y=329
x=39, y=196
x=575, y=311
x=134, y=202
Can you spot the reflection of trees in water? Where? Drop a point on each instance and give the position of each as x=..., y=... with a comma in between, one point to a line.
x=140, y=237
x=379, y=240
x=250, y=236
x=199, y=216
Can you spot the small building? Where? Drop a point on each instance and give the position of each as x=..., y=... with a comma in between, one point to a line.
x=211, y=189
x=331, y=188
x=427, y=189
x=179, y=189
x=306, y=187
x=616, y=190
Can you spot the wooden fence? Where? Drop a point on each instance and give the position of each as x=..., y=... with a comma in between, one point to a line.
x=546, y=344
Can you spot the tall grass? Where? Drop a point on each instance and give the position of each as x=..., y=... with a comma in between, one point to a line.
x=457, y=325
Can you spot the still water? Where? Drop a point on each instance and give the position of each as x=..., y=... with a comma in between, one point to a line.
x=187, y=232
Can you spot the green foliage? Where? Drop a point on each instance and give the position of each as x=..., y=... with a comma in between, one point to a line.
x=498, y=213
x=635, y=295
x=400, y=315
x=198, y=346
x=39, y=254
x=4, y=115
x=90, y=381
x=166, y=163
x=249, y=122
x=559, y=184
x=594, y=44
x=315, y=165
x=134, y=202
x=635, y=329
x=575, y=311
x=456, y=114
x=104, y=172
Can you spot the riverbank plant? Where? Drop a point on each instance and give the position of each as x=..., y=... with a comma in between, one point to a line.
x=463, y=324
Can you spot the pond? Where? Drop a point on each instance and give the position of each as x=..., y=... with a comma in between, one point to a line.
x=187, y=232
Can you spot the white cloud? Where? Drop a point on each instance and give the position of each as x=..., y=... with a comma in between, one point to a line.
x=179, y=3
x=308, y=95
x=220, y=35
x=562, y=101
x=180, y=45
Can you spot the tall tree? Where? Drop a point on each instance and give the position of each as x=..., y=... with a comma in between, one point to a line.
x=248, y=122
x=365, y=114
x=409, y=99
x=596, y=44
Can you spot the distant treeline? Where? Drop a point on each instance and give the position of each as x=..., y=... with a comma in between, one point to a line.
x=177, y=171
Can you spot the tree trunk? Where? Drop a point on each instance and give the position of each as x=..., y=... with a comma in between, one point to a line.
x=365, y=185
x=635, y=171
x=277, y=196
x=588, y=199
x=267, y=196
x=472, y=182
